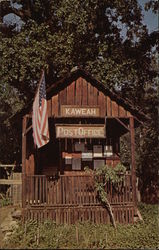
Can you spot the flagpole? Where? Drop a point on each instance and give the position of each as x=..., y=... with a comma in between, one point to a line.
x=42, y=73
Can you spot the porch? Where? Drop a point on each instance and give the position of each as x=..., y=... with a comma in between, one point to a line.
x=71, y=198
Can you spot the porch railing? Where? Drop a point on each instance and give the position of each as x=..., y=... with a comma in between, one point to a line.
x=73, y=190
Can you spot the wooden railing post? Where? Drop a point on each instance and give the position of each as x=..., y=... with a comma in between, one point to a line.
x=133, y=168
x=71, y=190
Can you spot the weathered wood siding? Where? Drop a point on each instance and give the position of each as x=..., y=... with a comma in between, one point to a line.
x=30, y=165
x=16, y=189
x=73, y=198
x=82, y=93
x=95, y=214
x=73, y=189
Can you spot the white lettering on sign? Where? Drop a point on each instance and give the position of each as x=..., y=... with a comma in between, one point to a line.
x=79, y=111
x=65, y=131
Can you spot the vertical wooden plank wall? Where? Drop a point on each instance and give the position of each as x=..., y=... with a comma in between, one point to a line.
x=115, y=112
x=83, y=93
x=90, y=95
x=55, y=101
x=30, y=165
x=49, y=107
x=101, y=103
x=63, y=97
x=16, y=189
x=122, y=111
x=78, y=93
x=109, y=106
x=70, y=94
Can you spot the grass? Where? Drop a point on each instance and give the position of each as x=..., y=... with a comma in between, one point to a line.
x=4, y=201
x=90, y=236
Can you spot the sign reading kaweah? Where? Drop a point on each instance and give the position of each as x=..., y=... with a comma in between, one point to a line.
x=75, y=111
x=80, y=131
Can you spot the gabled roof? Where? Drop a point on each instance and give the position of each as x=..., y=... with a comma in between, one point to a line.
x=74, y=75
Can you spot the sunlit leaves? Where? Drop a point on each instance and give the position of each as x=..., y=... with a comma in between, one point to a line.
x=58, y=35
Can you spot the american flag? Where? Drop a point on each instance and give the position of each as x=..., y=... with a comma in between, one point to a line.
x=40, y=116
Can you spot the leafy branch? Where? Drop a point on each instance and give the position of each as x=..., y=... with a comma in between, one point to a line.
x=102, y=176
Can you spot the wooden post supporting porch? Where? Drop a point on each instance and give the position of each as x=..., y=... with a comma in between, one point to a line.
x=133, y=167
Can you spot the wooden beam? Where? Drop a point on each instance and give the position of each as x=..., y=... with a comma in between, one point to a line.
x=133, y=168
x=122, y=123
x=10, y=182
x=9, y=165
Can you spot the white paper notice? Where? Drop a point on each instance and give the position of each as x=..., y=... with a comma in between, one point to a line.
x=87, y=156
x=97, y=151
x=108, y=150
x=76, y=164
x=98, y=163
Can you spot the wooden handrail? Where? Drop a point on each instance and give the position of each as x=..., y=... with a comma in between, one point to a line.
x=74, y=189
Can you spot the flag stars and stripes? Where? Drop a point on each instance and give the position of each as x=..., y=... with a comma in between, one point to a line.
x=42, y=91
x=40, y=116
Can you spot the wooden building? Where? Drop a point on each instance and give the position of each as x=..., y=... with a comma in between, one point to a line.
x=86, y=121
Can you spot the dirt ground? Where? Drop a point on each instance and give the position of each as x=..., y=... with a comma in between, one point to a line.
x=5, y=218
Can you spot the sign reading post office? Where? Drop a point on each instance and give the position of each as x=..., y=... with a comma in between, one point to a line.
x=80, y=131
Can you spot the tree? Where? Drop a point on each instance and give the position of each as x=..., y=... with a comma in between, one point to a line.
x=102, y=176
x=58, y=35
x=152, y=4
x=79, y=28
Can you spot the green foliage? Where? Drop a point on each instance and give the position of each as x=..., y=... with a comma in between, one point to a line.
x=108, y=174
x=91, y=236
x=58, y=35
x=112, y=174
x=103, y=175
x=4, y=200
x=125, y=150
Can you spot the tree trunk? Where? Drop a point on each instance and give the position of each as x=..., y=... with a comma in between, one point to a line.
x=108, y=206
